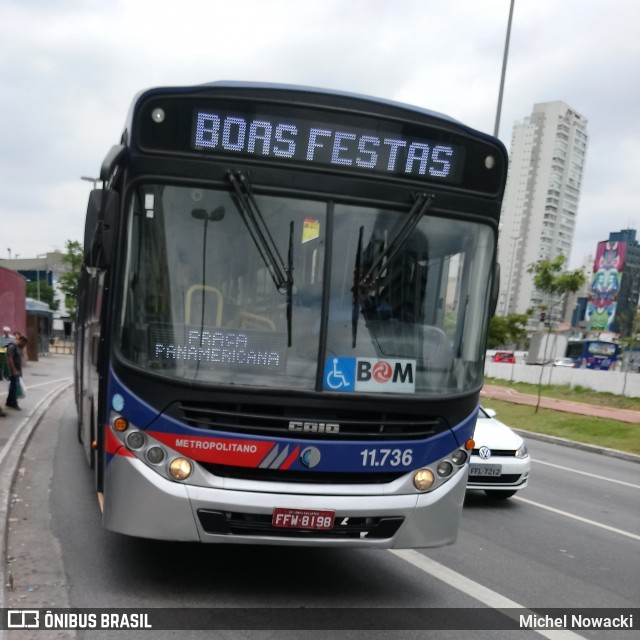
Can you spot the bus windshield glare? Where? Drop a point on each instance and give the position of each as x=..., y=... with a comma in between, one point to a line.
x=200, y=303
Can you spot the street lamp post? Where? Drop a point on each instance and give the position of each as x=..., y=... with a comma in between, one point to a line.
x=38, y=256
x=505, y=56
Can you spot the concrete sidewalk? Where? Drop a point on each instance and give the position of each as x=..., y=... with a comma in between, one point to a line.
x=510, y=395
x=45, y=380
x=41, y=377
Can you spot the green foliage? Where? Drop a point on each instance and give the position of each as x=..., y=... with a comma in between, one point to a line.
x=611, y=434
x=69, y=281
x=576, y=393
x=630, y=330
x=46, y=293
x=507, y=330
x=550, y=277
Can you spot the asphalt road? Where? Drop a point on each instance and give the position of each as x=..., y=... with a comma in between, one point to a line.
x=570, y=540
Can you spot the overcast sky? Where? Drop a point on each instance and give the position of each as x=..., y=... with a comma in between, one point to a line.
x=70, y=68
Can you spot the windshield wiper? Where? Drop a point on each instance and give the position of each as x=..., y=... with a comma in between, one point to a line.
x=259, y=232
x=364, y=284
x=281, y=273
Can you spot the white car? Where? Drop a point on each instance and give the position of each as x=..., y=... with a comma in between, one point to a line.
x=564, y=362
x=499, y=462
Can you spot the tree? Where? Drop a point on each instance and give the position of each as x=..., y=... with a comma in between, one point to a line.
x=69, y=281
x=45, y=293
x=550, y=277
x=507, y=330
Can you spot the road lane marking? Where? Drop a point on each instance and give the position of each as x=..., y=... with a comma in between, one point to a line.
x=621, y=532
x=586, y=473
x=44, y=384
x=474, y=589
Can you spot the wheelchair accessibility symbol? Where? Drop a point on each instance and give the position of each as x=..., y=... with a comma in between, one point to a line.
x=339, y=374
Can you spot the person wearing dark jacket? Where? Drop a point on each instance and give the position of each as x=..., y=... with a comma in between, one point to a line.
x=14, y=359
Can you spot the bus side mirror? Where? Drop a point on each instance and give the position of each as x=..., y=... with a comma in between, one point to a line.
x=495, y=290
x=100, y=228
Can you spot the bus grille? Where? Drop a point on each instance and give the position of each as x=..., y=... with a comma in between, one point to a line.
x=275, y=421
x=253, y=524
x=315, y=477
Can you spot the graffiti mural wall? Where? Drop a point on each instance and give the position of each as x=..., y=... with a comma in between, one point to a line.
x=607, y=276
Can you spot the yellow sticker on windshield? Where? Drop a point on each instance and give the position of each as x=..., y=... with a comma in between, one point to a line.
x=310, y=230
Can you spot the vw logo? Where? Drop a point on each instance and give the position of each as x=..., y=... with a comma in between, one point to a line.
x=310, y=457
x=484, y=453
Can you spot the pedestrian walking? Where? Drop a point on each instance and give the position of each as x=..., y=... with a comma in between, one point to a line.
x=5, y=340
x=14, y=358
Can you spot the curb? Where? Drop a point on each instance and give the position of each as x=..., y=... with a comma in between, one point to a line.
x=10, y=457
x=613, y=453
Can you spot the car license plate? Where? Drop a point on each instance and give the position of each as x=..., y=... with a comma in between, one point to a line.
x=302, y=519
x=485, y=470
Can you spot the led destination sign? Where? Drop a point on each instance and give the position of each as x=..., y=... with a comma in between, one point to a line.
x=218, y=348
x=382, y=150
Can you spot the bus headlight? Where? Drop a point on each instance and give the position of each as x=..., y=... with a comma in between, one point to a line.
x=180, y=468
x=444, y=469
x=136, y=440
x=423, y=479
x=459, y=457
x=155, y=455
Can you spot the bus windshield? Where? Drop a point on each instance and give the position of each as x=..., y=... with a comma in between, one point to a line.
x=200, y=302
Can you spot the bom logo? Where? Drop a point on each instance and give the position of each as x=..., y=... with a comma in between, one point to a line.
x=382, y=371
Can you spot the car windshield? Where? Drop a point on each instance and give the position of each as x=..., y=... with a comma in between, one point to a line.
x=200, y=301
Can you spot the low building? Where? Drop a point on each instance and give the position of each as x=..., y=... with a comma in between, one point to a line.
x=13, y=293
x=39, y=328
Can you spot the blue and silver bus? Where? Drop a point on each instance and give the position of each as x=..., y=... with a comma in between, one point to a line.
x=593, y=354
x=282, y=317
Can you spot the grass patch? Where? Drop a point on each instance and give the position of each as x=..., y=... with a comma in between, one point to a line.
x=612, y=434
x=574, y=394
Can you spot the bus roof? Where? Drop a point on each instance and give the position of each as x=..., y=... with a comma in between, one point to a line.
x=271, y=86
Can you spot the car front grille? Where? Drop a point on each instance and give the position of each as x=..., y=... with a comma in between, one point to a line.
x=506, y=453
x=507, y=478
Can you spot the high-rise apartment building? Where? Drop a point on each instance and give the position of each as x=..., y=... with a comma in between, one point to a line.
x=548, y=152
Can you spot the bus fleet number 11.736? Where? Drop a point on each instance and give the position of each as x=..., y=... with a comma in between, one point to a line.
x=382, y=457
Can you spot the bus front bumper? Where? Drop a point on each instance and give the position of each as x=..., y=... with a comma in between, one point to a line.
x=139, y=502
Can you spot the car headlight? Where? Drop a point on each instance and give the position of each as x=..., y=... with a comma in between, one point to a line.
x=522, y=452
